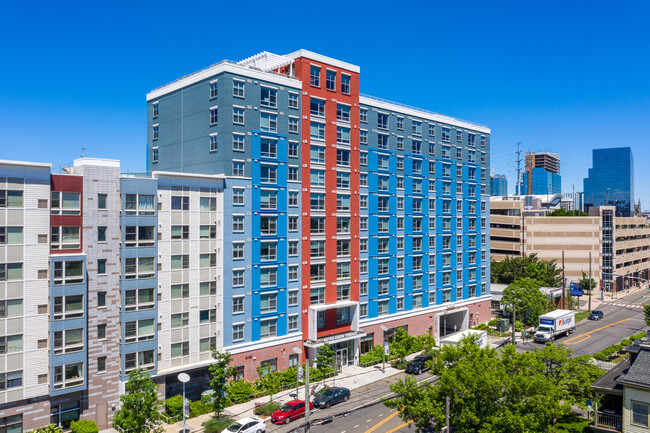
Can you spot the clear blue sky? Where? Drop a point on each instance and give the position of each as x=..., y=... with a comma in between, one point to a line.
x=557, y=76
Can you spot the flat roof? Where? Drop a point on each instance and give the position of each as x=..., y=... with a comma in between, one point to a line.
x=25, y=163
x=323, y=59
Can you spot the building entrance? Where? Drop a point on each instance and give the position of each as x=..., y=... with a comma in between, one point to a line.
x=344, y=353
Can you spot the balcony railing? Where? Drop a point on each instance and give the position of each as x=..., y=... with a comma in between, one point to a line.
x=608, y=420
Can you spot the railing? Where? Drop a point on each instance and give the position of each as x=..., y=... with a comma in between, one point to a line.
x=608, y=420
x=410, y=107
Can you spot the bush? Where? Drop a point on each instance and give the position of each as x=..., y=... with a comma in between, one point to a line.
x=84, y=426
x=198, y=408
x=637, y=336
x=626, y=342
x=492, y=322
x=519, y=326
x=50, y=428
x=600, y=357
x=481, y=326
x=618, y=347
x=400, y=365
x=240, y=391
x=374, y=356
x=427, y=341
x=174, y=406
x=267, y=409
x=608, y=351
x=217, y=425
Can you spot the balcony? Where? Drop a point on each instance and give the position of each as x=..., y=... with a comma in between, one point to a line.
x=314, y=311
x=606, y=421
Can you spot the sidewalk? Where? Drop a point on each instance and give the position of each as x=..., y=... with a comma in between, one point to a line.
x=596, y=301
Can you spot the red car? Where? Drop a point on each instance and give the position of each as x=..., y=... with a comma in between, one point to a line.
x=289, y=411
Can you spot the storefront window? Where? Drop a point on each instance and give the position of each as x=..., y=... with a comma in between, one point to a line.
x=64, y=414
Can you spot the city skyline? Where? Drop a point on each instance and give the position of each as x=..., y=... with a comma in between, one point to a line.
x=550, y=88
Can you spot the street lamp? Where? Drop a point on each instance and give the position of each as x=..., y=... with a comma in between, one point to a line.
x=383, y=349
x=307, y=406
x=298, y=351
x=184, y=377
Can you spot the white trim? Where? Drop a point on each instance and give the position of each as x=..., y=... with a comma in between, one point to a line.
x=269, y=112
x=324, y=59
x=157, y=174
x=214, y=134
x=239, y=106
x=219, y=68
x=262, y=344
x=212, y=108
x=268, y=87
x=446, y=120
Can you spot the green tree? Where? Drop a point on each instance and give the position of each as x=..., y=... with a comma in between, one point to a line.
x=221, y=372
x=50, y=428
x=325, y=358
x=567, y=213
x=513, y=268
x=646, y=314
x=139, y=405
x=269, y=381
x=586, y=283
x=495, y=391
x=528, y=300
x=84, y=426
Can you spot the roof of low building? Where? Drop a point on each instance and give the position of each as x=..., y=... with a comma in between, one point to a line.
x=639, y=372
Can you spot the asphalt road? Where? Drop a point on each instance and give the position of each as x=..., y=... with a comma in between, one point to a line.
x=620, y=321
x=365, y=412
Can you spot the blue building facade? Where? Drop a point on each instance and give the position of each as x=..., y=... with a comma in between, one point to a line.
x=610, y=181
x=543, y=182
x=498, y=185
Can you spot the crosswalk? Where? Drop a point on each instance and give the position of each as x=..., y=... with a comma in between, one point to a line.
x=625, y=305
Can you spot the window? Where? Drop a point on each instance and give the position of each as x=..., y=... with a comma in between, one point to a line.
x=342, y=202
x=142, y=299
x=64, y=203
x=432, y=130
x=268, y=328
x=400, y=163
x=416, y=147
x=363, y=158
x=101, y=332
x=214, y=115
x=363, y=114
x=400, y=123
x=177, y=232
x=180, y=349
x=342, y=158
x=330, y=80
x=101, y=299
x=382, y=120
x=382, y=307
x=293, y=223
x=268, y=225
x=180, y=261
x=400, y=303
x=237, y=304
x=314, y=75
x=238, y=250
x=11, y=198
x=101, y=364
x=343, y=270
x=445, y=134
x=65, y=307
x=293, y=127
x=67, y=376
x=139, y=267
x=317, y=201
x=317, y=130
x=293, y=297
x=214, y=90
x=268, y=250
x=293, y=100
x=343, y=113
x=268, y=277
x=68, y=272
x=317, y=178
x=416, y=127
x=238, y=277
x=459, y=136
x=238, y=142
x=143, y=360
x=293, y=198
x=11, y=344
x=268, y=199
x=640, y=414
x=268, y=122
x=101, y=201
x=269, y=97
x=238, y=332
x=238, y=223
x=207, y=344
x=155, y=130
x=268, y=303
x=342, y=180
x=293, y=323
x=208, y=316
x=207, y=260
x=180, y=203
x=317, y=295
x=342, y=135
x=343, y=316
x=363, y=310
x=363, y=201
x=292, y=173
x=101, y=234
x=238, y=88
x=268, y=147
x=139, y=204
x=213, y=143
x=363, y=223
x=363, y=179
x=62, y=237
x=363, y=266
x=382, y=141
x=363, y=137
x=345, y=84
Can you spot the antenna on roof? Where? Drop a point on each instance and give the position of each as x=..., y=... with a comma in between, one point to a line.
x=83, y=152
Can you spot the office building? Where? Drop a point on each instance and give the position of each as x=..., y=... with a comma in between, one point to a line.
x=611, y=180
x=542, y=174
x=353, y=212
x=498, y=185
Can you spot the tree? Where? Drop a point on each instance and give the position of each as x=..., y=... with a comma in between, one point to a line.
x=221, y=372
x=269, y=381
x=646, y=314
x=587, y=283
x=324, y=358
x=567, y=213
x=513, y=268
x=496, y=391
x=139, y=405
x=528, y=300
x=50, y=428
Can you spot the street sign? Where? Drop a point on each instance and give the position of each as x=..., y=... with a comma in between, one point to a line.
x=590, y=405
x=575, y=290
x=386, y=348
x=300, y=372
x=187, y=407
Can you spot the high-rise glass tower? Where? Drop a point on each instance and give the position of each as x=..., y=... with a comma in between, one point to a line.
x=611, y=180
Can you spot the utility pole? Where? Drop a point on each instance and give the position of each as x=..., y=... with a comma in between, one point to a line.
x=447, y=414
x=563, y=280
x=590, y=281
x=518, y=184
x=307, y=410
x=514, y=320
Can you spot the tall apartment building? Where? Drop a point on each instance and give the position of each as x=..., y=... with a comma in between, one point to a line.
x=542, y=174
x=498, y=185
x=343, y=212
x=611, y=180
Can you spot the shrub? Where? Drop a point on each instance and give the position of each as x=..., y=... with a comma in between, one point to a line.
x=618, y=347
x=239, y=391
x=198, y=408
x=480, y=326
x=608, y=351
x=427, y=341
x=519, y=326
x=174, y=406
x=267, y=409
x=50, y=428
x=400, y=365
x=637, y=336
x=492, y=322
x=215, y=425
x=375, y=355
x=600, y=356
x=84, y=426
x=626, y=342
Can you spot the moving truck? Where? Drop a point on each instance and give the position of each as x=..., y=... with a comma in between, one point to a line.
x=555, y=324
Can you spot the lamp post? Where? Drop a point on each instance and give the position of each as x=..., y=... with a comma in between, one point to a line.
x=383, y=349
x=298, y=351
x=184, y=377
x=307, y=406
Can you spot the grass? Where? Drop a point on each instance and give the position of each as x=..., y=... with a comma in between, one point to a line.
x=267, y=409
x=215, y=425
x=582, y=315
x=573, y=424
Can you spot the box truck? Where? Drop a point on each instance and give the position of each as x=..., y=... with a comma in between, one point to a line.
x=555, y=324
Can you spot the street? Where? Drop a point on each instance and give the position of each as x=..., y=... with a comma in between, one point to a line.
x=365, y=411
x=622, y=318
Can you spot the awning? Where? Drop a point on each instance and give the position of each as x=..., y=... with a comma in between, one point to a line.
x=331, y=339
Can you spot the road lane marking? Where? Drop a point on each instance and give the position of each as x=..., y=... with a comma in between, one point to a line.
x=399, y=427
x=380, y=415
x=382, y=422
x=587, y=335
x=368, y=420
x=356, y=426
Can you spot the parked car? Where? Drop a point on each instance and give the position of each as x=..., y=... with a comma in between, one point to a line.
x=289, y=411
x=596, y=315
x=419, y=364
x=251, y=424
x=331, y=396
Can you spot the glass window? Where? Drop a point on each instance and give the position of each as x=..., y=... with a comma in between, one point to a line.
x=330, y=80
